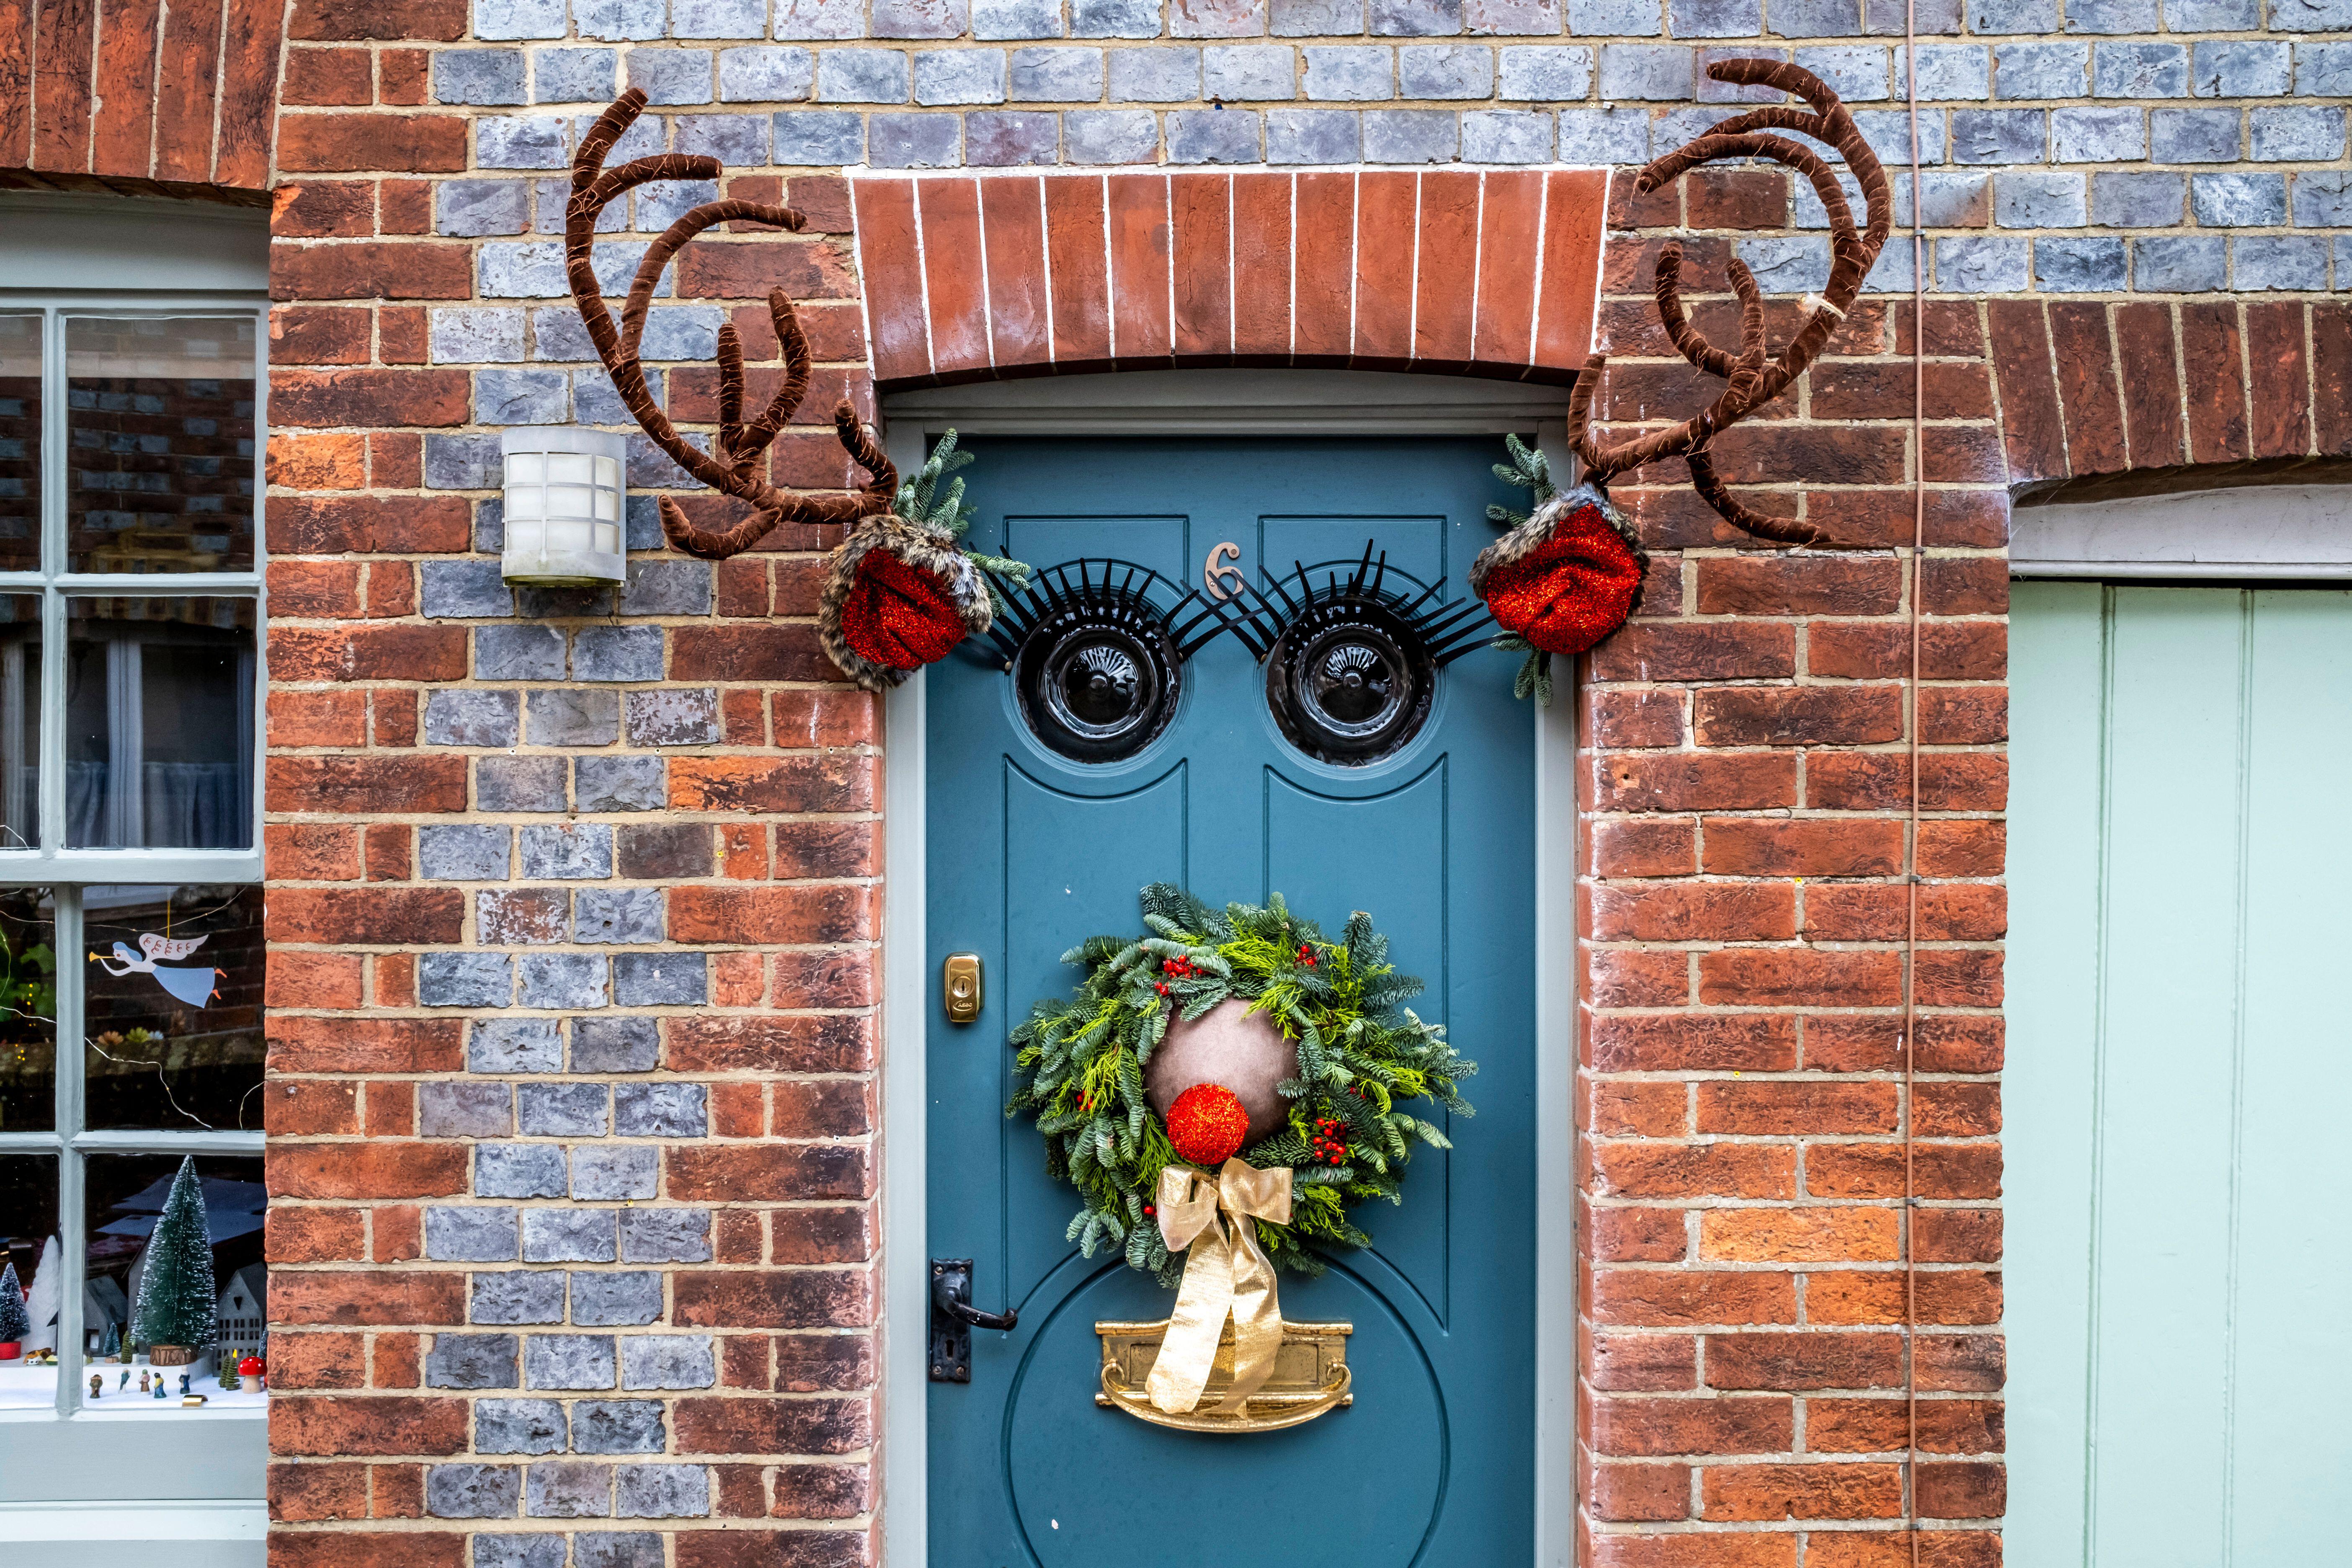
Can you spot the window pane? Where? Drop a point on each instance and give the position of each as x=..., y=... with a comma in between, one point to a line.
x=20, y=721
x=160, y=432
x=28, y=1230
x=171, y=1008
x=28, y=1010
x=158, y=724
x=126, y=1197
x=20, y=443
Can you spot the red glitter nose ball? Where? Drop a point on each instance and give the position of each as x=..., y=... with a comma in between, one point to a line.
x=1206, y=1125
x=1570, y=591
x=899, y=615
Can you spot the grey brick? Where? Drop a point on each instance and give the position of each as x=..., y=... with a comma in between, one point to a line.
x=1711, y=90
x=1448, y=70
x=614, y=1174
x=568, y=1361
x=1316, y=19
x=608, y=1549
x=1955, y=72
x=575, y=75
x=2111, y=16
x=1506, y=136
x=461, y=463
x=1892, y=273
x=1936, y=18
x=518, y=653
x=518, y=1427
x=862, y=76
x=514, y=397
x=2213, y=15
x=1616, y=18
x=959, y=76
x=2297, y=135
x=619, y=914
x=661, y=1491
x=2079, y=266
x=1787, y=265
x=2097, y=135
x=519, y=784
x=914, y=141
x=472, y=1492
x=1656, y=73
x=919, y=18
x=472, y=209
x=617, y=19
x=519, y=1551
x=1888, y=132
x=718, y=19
x=570, y=716
x=490, y=536
x=1163, y=74
x=1068, y=75
x=519, y=142
x=820, y=20
x=562, y=980
x=2040, y=70
x=1414, y=18
x=774, y=74
x=464, y=980
x=572, y=852
x=658, y=979
x=2134, y=200
x=670, y=75
x=513, y=1045
x=660, y=1111
x=518, y=18
x=2238, y=201
x=519, y=1170
x=2012, y=17
x=471, y=1361
x=1979, y=266
x=561, y=1110
x=2321, y=70
x=665, y=1236
x=1114, y=19
x=2140, y=71
x=2230, y=68
x=1815, y=18
x=2178, y=263
x=567, y=1236
x=997, y=20
x=1312, y=136
x=1000, y=139
x=517, y=1297
x=1858, y=74
x=818, y=139
x=667, y=1362
x=618, y=653
x=2281, y=261
x=1213, y=136
x=1110, y=135
x=2323, y=199
x=465, y=590
x=621, y=783
x=627, y=1299
x=1409, y=136
x=1715, y=18
x=1675, y=127
x=454, y=1234
x=1243, y=73
x=563, y=1488
x=1593, y=136
x=1351, y=73
x=1999, y=135
x=2311, y=16
x=616, y=1045
x=675, y=716
x=449, y=852
x=478, y=76
x=2039, y=201
x=621, y=1426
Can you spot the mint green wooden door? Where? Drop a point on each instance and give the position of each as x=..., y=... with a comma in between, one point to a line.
x=2181, y=895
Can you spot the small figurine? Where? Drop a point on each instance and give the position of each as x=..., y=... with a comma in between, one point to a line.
x=183, y=1385
x=96, y=1384
x=159, y=1386
x=249, y=1374
x=142, y=1380
x=124, y=1382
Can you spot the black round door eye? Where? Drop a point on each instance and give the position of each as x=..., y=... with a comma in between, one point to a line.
x=1349, y=681
x=1099, y=679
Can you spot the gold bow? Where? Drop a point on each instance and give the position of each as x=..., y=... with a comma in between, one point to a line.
x=1227, y=1272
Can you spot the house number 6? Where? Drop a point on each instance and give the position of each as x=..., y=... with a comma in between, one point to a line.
x=1218, y=574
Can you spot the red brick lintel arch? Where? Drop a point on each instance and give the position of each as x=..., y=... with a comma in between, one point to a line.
x=1459, y=272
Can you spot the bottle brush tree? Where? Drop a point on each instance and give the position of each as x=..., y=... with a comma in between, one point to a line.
x=178, y=1300
x=14, y=1321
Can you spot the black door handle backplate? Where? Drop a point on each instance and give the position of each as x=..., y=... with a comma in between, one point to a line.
x=953, y=1318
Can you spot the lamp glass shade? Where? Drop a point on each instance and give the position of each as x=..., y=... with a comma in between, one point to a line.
x=566, y=504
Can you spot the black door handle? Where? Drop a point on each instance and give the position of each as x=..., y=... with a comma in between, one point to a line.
x=953, y=1316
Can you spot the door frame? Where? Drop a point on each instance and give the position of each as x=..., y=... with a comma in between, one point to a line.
x=1275, y=402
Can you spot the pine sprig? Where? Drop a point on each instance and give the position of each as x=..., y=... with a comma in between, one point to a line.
x=921, y=502
x=1363, y=1058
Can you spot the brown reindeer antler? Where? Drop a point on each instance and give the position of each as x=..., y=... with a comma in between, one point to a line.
x=733, y=468
x=1753, y=378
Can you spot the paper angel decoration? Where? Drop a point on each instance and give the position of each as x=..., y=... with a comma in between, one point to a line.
x=193, y=988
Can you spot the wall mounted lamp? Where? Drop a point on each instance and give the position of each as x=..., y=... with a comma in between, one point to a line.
x=566, y=499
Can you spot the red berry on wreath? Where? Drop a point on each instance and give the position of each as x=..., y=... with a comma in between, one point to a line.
x=1207, y=1124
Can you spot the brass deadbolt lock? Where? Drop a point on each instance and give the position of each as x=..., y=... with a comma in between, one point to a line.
x=959, y=980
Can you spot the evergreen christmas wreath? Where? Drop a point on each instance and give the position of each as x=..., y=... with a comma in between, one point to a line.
x=1241, y=1033
x=1564, y=577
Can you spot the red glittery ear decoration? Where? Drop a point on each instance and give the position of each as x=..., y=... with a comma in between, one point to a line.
x=899, y=615
x=1206, y=1125
x=1570, y=591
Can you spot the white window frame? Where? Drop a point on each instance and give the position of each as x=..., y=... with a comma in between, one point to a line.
x=68, y=1455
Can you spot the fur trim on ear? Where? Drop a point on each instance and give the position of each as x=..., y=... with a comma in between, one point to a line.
x=925, y=551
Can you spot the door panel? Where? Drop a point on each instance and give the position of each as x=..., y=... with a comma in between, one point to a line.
x=1030, y=852
x=2178, y=858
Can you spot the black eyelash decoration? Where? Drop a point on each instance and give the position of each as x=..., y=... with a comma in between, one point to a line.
x=1096, y=648
x=1351, y=663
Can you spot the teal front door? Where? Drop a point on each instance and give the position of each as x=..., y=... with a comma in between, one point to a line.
x=1033, y=846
